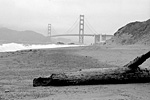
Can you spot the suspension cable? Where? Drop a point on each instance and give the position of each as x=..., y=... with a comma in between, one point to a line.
x=54, y=30
x=71, y=28
x=90, y=26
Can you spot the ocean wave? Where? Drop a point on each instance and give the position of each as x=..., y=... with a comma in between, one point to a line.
x=10, y=47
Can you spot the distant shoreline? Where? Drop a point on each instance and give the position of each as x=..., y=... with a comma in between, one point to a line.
x=12, y=47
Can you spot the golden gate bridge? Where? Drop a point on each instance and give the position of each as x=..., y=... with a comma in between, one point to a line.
x=81, y=22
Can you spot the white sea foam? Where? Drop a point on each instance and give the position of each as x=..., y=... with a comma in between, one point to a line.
x=15, y=47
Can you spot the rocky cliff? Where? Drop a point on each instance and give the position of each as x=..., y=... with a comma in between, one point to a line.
x=132, y=33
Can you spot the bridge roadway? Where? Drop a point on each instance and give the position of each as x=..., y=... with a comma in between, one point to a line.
x=72, y=35
x=97, y=37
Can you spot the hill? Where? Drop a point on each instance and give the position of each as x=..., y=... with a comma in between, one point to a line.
x=132, y=33
x=26, y=37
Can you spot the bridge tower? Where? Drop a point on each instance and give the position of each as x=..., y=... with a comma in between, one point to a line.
x=49, y=30
x=81, y=29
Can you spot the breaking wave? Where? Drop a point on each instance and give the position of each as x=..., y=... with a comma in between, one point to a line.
x=10, y=47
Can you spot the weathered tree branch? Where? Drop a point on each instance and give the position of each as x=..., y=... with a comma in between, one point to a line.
x=130, y=73
x=134, y=64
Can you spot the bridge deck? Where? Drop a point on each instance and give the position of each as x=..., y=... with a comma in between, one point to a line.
x=72, y=35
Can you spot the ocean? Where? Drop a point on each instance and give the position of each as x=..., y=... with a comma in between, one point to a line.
x=11, y=47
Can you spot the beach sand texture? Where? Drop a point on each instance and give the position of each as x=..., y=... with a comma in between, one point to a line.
x=18, y=69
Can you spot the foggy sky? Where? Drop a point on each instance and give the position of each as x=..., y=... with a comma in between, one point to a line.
x=106, y=16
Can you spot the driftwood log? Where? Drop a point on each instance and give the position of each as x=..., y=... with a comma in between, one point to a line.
x=130, y=73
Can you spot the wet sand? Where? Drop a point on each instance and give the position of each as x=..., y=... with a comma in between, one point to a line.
x=18, y=69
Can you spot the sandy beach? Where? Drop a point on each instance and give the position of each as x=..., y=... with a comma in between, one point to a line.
x=18, y=69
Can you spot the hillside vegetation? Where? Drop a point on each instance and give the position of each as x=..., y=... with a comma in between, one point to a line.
x=132, y=33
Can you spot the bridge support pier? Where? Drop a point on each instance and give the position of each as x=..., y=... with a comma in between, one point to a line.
x=98, y=38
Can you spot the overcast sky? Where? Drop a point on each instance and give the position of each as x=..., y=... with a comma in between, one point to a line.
x=106, y=16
